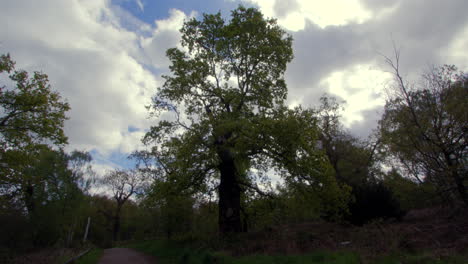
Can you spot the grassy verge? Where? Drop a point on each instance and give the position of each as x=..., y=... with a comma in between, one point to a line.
x=421, y=259
x=91, y=257
x=171, y=252
x=168, y=252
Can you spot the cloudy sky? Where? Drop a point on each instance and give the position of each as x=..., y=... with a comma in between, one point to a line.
x=106, y=56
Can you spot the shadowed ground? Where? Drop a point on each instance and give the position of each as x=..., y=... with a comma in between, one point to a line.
x=125, y=256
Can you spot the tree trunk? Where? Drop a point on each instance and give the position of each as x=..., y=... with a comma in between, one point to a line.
x=29, y=200
x=116, y=227
x=460, y=187
x=229, y=194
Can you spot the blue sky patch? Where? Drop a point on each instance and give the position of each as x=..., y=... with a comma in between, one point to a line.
x=156, y=10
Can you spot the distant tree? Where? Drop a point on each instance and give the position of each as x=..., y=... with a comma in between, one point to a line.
x=357, y=164
x=123, y=184
x=227, y=93
x=50, y=195
x=425, y=128
x=410, y=193
x=56, y=193
x=101, y=209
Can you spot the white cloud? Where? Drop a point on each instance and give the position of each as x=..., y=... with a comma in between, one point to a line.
x=456, y=52
x=361, y=87
x=164, y=36
x=334, y=59
x=95, y=63
x=102, y=168
x=292, y=14
x=97, y=55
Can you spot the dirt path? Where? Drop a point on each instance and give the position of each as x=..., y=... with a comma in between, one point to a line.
x=125, y=256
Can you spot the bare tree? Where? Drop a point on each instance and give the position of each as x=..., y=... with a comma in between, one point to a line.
x=123, y=184
x=425, y=127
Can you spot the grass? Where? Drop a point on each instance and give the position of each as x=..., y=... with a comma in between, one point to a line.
x=168, y=252
x=173, y=253
x=91, y=257
x=421, y=259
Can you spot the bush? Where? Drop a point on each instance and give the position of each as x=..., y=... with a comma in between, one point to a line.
x=372, y=201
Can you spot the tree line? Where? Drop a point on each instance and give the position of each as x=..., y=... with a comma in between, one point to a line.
x=208, y=166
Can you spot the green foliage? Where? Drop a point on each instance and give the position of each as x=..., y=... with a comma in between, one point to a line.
x=175, y=213
x=101, y=209
x=46, y=204
x=31, y=119
x=136, y=220
x=30, y=112
x=214, y=105
x=410, y=194
x=290, y=204
x=42, y=188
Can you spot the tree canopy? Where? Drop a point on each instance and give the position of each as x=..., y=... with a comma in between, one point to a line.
x=30, y=111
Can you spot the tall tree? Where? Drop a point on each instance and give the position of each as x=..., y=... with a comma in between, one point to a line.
x=425, y=128
x=227, y=94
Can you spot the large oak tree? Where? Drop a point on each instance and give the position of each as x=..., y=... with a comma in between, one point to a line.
x=230, y=126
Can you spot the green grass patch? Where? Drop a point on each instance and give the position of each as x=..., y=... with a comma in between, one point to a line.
x=168, y=252
x=421, y=259
x=91, y=257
